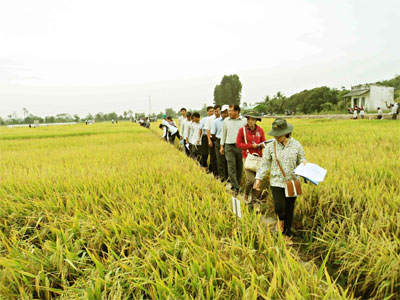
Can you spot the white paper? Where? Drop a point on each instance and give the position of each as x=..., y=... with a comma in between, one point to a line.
x=234, y=205
x=311, y=172
x=239, y=212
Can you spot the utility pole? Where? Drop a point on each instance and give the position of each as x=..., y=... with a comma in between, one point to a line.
x=149, y=106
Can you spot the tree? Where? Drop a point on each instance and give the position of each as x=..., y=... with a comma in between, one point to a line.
x=26, y=112
x=170, y=113
x=229, y=91
x=99, y=117
x=76, y=118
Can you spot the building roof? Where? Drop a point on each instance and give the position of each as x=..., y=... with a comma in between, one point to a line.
x=356, y=93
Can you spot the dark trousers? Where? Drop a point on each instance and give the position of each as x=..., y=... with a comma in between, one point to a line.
x=173, y=136
x=394, y=116
x=187, y=151
x=204, y=151
x=234, y=159
x=221, y=161
x=213, y=161
x=284, y=208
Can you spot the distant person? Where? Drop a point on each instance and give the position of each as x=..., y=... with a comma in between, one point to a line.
x=165, y=123
x=112, y=121
x=395, y=111
x=194, y=137
x=380, y=113
x=185, y=133
x=182, y=118
x=172, y=129
x=211, y=139
x=362, y=112
x=250, y=140
x=355, y=114
x=290, y=154
x=216, y=130
x=204, y=150
x=233, y=155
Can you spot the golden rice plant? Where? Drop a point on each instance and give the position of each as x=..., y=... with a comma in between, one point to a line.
x=112, y=212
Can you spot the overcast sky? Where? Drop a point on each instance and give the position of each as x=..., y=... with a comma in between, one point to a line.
x=81, y=56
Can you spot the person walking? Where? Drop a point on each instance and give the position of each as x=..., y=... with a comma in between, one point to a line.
x=194, y=137
x=290, y=154
x=362, y=112
x=395, y=111
x=251, y=140
x=216, y=130
x=185, y=133
x=233, y=155
x=211, y=140
x=380, y=113
x=203, y=141
x=355, y=114
x=182, y=118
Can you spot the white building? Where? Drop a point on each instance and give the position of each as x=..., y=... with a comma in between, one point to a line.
x=371, y=96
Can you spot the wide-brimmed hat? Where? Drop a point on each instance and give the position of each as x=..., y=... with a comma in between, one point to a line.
x=254, y=115
x=280, y=127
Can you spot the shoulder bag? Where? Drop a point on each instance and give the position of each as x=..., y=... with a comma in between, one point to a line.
x=292, y=187
x=253, y=160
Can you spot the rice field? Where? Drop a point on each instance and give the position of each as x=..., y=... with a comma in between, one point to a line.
x=113, y=212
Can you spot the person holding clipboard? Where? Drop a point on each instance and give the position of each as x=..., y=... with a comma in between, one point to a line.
x=281, y=157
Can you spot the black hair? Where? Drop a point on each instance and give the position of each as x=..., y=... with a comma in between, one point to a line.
x=169, y=118
x=288, y=135
x=196, y=115
x=161, y=126
x=210, y=107
x=217, y=106
x=183, y=109
x=236, y=107
x=189, y=114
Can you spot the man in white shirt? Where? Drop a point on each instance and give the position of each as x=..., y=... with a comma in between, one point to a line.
x=216, y=130
x=203, y=141
x=172, y=130
x=395, y=109
x=194, y=136
x=182, y=118
x=186, y=124
x=164, y=122
x=211, y=139
x=380, y=113
x=233, y=155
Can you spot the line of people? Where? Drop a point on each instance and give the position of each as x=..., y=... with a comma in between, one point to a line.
x=221, y=143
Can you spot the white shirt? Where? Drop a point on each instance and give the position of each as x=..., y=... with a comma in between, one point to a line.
x=210, y=121
x=380, y=112
x=394, y=109
x=187, y=130
x=194, y=133
x=180, y=120
x=203, y=125
x=172, y=129
x=182, y=126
